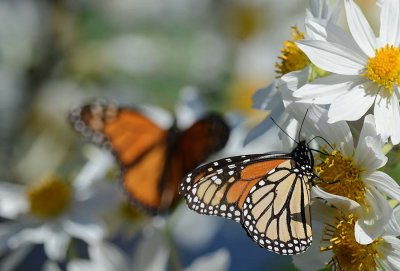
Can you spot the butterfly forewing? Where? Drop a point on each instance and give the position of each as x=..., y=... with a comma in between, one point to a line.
x=127, y=132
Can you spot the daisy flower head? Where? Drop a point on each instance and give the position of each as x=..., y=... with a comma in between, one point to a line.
x=335, y=246
x=51, y=211
x=365, y=69
x=294, y=69
x=352, y=171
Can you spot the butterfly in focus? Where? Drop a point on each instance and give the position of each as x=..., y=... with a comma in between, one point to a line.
x=269, y=194
x=152, y=159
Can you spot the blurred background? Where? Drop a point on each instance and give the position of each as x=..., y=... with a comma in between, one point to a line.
x=58, y=54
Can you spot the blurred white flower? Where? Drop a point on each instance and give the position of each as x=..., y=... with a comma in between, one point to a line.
x=365, y=70
x=151, y=254
x=335, y=227
x=51, y=211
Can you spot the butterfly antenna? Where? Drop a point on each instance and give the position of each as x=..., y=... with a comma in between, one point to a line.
x=321, y=152
x=301, y=126
x=283, y=131
x=315, y=137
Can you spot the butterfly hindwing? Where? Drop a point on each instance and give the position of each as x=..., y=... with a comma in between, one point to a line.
x=276, y=212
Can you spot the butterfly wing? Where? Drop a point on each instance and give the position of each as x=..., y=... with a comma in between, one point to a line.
x=262, y=192
x=276, y=212
x=220, y=188
x=139, y=145
x=205, y=137
x=126, y=131
x=194, y=145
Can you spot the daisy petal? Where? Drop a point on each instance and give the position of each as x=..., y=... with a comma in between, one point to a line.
x=393, y=226
x=395, y=138
x=293, y=81
x=336, y=34
x=261, y=128
x=368, y=128
x=325, y=90
x=13, y=201
x=265, y=98
x=387, y=117
x=55, y=244
x=107, y=256
x=85, y=228
x=151, y=253
x=339, y=202
x=352, y=105
x=219, y=260
x=315, y=30
x=390, y=16
x=371, y=225
x=359, y=28
x=384, y=183
x=336, y=133
x=391, y=249
x=369, y=154
x=333, y=57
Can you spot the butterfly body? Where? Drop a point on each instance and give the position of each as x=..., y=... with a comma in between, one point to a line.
x=269, y=194
x=152, y=159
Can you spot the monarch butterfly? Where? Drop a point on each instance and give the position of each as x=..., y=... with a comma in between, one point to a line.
x=269, y=194
x=152, y=159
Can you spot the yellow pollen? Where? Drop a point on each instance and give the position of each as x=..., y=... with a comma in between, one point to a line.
x=384, y=67
x=349, y=255
x=49, y=197
x=292, y=58
x=341, y=177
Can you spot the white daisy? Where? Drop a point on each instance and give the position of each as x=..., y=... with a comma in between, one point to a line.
x=294, y=71
x=365, y=69
x=51, y=211
x=335, y=245
x=352, y=172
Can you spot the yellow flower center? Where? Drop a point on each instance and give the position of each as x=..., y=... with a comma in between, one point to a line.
x=292, y=58
x=384, y=67
x=341, y=177
x=49, y=197
x=349, y=255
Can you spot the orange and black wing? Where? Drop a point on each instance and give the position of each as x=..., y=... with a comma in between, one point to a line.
x=190, y=148
x=266, y=193
x=221, y=187
x=205, y=137
x=139, y=145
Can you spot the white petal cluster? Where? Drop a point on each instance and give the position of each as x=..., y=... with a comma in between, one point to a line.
x=344, y=93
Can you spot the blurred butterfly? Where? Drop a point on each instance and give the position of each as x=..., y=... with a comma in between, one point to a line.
x=152, y=159
x=269, y=194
